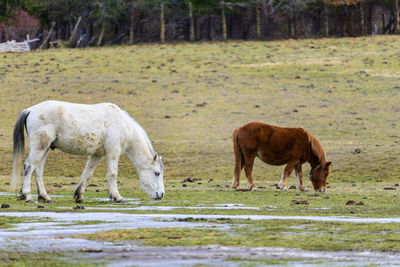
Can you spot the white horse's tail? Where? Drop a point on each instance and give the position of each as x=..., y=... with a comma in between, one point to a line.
x=18, y=148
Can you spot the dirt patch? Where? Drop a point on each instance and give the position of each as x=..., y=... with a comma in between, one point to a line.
x=299, y=202
x=353, y=202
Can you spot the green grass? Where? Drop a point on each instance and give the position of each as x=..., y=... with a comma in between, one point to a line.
x=22, y=259
x=270, y=201
x=345, y=92
x=308, y=235
x=8, y=222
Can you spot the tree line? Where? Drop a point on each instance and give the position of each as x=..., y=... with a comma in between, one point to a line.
x=81, y=23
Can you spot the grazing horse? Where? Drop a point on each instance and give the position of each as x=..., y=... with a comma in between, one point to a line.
x=277, y=146
x=93, y=130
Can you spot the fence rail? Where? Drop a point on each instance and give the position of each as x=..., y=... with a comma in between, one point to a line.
x=13, y=46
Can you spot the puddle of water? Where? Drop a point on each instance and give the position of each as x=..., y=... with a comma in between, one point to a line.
x=44, y=237
x=158, y=208
x=134, y=201
x=215, y=255
x=33, y=195
x=168, y=208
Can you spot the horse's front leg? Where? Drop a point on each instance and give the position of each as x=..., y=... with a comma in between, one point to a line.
x=286, y=173
x=91, y=166
x=299, y=175
x=112, y=172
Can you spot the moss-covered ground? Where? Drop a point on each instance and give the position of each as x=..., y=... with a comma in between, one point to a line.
x=308, y=235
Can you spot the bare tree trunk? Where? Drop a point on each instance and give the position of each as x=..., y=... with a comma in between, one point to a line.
x=362, y=25
x=191, y=21
x=369, y=18
x=6, y=29
x=258, y=22
x=326, y=21
x=73, y=37
x=396, y=16
x=44, y=44
x=209, y=35
x=224, y=34
x=383, y=23
x=103, y=29
x=162, y=22
x=132, y=25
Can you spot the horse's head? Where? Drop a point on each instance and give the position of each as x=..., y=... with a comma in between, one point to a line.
x=319, y=175
x=151, y=178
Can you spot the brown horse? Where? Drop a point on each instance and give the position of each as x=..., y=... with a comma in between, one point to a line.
x=277, y=146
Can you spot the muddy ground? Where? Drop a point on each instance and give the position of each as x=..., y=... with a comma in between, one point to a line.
x=55, y=236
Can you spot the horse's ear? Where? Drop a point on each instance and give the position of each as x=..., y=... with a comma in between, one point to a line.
x=155, y=157
x=328, y=163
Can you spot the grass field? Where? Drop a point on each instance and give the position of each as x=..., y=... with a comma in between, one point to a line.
x=190, y=97
x=345, y=91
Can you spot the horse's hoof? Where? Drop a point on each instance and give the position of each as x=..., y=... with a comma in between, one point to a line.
x=304, y=189
x=121, y=201
x=30, y=201
x=48, y=201
x=284, y=188
x=253, y=188
x=78, y=200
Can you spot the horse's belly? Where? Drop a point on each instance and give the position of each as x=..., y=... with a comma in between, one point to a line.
x=88, y=144
x=272, y=159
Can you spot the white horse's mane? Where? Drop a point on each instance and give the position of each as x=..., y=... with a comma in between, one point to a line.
x=140, y=130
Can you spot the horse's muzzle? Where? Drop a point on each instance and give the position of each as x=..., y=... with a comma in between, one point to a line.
x=321, y=190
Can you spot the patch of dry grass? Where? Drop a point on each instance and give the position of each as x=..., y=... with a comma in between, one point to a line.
x=190, y=97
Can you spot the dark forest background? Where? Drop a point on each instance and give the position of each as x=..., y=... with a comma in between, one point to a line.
x=82, y=23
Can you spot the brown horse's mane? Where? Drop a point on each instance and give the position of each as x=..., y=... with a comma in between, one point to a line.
x=316, y=150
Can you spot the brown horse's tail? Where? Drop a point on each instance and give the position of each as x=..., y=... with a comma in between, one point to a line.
x=239, y=158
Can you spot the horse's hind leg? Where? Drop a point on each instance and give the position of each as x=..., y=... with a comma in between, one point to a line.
x=236, y=174
x=26, y=182
x=299, y=181
x=39, y=144
x=91, y=166
x=239, y=161
x=248, y=168
x=34, y=163
x=42, y=194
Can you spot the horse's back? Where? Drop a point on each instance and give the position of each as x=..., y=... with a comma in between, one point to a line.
x=273, y=144
x=76, y=128
x=263, y=132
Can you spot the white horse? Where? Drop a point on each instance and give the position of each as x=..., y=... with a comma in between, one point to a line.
x=93, y=130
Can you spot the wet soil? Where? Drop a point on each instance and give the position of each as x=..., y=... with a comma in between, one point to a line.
x=54, y=237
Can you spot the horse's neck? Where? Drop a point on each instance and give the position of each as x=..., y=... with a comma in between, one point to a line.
x=140, y=150
x=317, y=153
